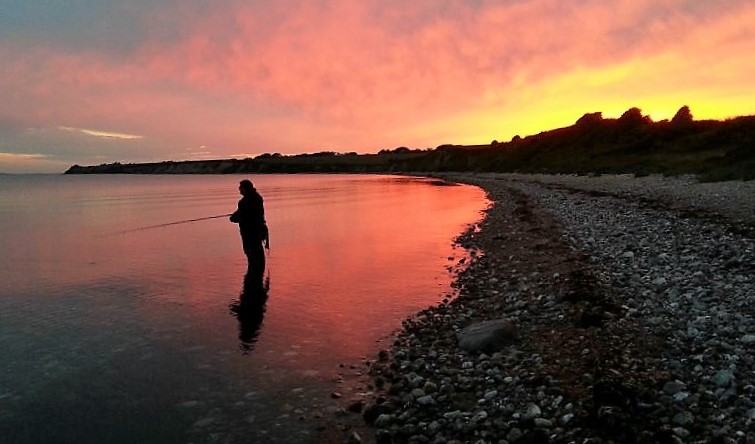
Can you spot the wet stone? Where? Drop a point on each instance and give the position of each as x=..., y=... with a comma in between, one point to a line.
x=673, y=387
x=723, y=378
x=684, y=418
x=533, y=411
x=426, y=400
x=488, y=336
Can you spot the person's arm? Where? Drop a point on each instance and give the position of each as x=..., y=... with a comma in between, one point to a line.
x=236, y=215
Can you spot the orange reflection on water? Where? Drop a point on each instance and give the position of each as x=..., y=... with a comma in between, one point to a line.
x=104, y=305
x=350, y=258
x=347, y=271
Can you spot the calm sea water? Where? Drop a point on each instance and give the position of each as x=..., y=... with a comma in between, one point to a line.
x=112, y=333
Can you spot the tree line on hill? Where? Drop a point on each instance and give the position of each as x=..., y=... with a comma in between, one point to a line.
x=632, y=143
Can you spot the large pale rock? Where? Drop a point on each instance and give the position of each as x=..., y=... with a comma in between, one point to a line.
x=488, y=336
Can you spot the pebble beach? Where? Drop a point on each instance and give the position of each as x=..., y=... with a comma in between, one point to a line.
x=629, y=311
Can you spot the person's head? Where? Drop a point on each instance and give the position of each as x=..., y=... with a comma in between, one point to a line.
x=245, y=187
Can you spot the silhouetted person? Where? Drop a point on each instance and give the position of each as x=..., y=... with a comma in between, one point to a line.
x=250, y=216
x=250, y=311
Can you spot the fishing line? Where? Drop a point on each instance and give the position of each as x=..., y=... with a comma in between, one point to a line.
x=149, y=227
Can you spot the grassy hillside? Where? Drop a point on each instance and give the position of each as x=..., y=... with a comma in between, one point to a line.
x=713, y=150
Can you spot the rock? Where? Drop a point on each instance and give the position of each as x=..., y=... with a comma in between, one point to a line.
x=533, y=411
x=514, y=434
x=684, y=418
x=723, y=378
x=748, y=339
x=426, y=400
x=384, y=421
x=660, y=281
x=556, y=402
x=567, y=419
x=434, y=427
x=488, y=336
x=451, y=416
x=409, y=430
x=681, y=396
x=375, y=410
x=673, y=387
x=681, y=432
x=430, y=387
x=418, y=393
x=489, y=396
x=543, y=423
x=480, y=416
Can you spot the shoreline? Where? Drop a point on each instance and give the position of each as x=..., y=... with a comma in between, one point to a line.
x=629, y=325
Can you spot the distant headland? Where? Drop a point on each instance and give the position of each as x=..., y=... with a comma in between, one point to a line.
x=633, y=143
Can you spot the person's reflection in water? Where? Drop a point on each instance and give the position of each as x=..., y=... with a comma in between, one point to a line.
x=250, y=310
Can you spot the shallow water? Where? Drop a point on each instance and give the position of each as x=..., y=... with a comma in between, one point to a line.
x=109, y=333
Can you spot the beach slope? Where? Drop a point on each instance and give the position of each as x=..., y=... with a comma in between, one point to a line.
x=632, y=306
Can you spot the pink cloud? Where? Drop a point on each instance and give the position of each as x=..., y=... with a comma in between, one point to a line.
x=334, y=60
x=364, y=75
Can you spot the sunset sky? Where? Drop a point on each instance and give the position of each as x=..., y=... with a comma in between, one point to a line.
x=94, y=81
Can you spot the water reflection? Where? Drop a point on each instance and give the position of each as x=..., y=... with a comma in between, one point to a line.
x=249, y=309
x=357, y=254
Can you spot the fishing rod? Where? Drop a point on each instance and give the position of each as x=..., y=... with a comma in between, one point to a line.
x=149, y=227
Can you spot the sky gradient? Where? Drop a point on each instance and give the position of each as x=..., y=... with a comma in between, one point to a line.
x=94, y=81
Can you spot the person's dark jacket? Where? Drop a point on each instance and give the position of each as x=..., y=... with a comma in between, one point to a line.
x=250, y=216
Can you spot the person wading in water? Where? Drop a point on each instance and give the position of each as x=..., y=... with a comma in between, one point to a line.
x=250, y=216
